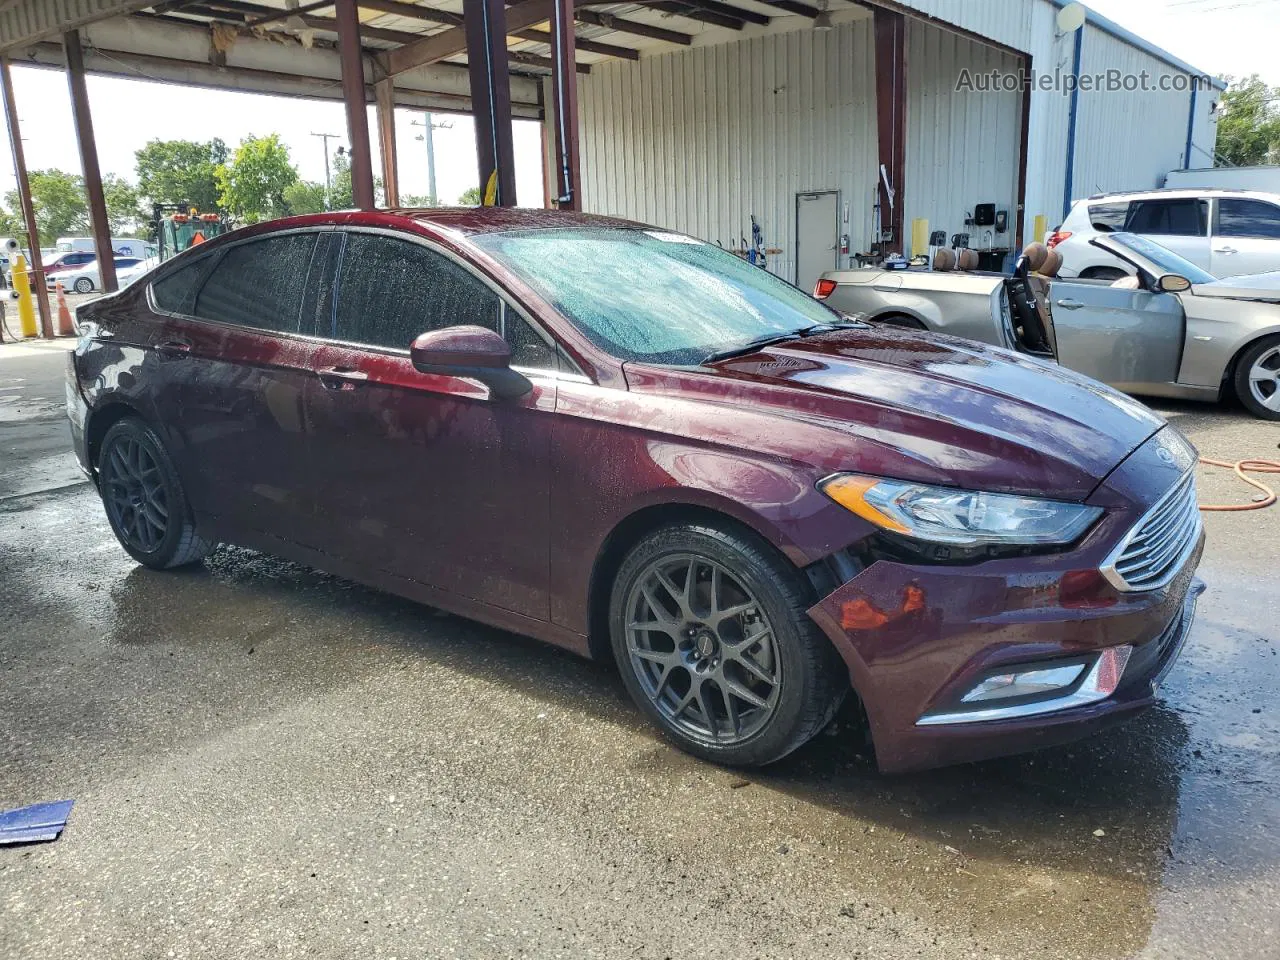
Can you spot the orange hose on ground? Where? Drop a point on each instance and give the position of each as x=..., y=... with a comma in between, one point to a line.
x=1239, y=468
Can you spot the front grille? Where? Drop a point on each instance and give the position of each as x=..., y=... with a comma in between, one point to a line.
x=1152, y=552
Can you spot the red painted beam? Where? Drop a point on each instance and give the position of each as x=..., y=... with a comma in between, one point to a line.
x=353, y=96
x=99, y=224
x=890, y=30
x=486, y=45
x=564, y=89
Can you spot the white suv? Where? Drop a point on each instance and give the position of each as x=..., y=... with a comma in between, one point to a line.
x=1226, y=232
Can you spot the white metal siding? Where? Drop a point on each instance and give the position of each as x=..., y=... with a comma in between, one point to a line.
x=962, y=145
x=699, y=140
x=1009, y=22
x=1126, y=140
x=25, y=21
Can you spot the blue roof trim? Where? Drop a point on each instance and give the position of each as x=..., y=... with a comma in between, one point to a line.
x=1131, y=38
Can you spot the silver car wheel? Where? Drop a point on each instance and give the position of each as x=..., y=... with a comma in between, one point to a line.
x=1264, y=378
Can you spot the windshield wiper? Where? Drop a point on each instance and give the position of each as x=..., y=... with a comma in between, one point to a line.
x=769, y=339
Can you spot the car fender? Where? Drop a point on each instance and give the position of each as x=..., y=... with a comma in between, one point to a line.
x=1218, y=329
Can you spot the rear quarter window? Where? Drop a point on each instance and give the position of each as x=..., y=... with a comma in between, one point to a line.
x=1108, y=216
x=175, y=292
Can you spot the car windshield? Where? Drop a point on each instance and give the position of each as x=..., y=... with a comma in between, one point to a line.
x=654, y=296
x=1162, y=257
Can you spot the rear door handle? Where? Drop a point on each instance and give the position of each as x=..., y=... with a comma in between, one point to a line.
x=1070, y=304
x=1227, y=250
x=173, y=348
x=341, y=378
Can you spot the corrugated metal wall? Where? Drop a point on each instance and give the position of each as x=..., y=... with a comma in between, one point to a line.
x=1126, y=140
x=24, y=21
x=698, y=140
x=962, y=144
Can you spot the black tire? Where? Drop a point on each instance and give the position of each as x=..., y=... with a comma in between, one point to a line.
x=83, y=285
x=809, y=677
x=1244, y=365
x=1102, y=273
x=901, y=320
x=144, y=500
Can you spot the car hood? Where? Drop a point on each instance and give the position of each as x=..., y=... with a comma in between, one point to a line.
x=1257, y=286
x=929, y=408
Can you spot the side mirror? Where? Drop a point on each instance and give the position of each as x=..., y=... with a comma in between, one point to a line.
x=471, y=352
x=1173, y=283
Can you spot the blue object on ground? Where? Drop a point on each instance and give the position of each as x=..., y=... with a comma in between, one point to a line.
x=40, y=821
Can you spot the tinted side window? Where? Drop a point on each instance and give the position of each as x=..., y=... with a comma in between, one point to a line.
x=528, y=349
x=1183, y=218
x=1108, y=216
x=259, y=284
x=391, y=290
x=1248, y=218
x=174, y=293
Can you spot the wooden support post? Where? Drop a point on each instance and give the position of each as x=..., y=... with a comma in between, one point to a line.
x=890, y=30
x=486, y=34
x=353, y=96
x=564, y=88
x=36, y=267
x=385, y=94
x=98, y=222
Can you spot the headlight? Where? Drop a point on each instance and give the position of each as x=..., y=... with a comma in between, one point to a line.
x=961, y=517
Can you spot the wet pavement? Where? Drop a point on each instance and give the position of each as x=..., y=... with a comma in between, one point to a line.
x=268, y=761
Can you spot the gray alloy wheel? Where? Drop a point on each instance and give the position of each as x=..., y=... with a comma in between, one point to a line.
x=702, y=648
x=710, y=632
x=144, y=499
x=1258, y=378
x=84, y=285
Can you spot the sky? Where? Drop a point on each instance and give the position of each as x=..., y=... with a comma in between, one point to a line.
x=1218, y=36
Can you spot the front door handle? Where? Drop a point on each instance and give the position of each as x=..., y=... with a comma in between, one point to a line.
x=1070, y=304
x=1226, y=250
x=341, y=378
x=173, y=348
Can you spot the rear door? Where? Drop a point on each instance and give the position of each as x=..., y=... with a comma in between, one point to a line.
x=1246, y=237
x=231, y=360
x=1119, y=336
x=1179, y=223
x=423, y=476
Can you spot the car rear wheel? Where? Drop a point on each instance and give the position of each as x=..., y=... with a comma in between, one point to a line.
x=144, y=499
x=1258, y=378
x=83, y=285
x=710, y=633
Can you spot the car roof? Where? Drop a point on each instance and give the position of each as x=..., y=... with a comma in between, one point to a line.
x=1177, y=193
x=467, y=221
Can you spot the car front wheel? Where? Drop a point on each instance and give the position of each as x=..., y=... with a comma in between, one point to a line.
x=144, y=499
x=1258, y=378
x=710, y=633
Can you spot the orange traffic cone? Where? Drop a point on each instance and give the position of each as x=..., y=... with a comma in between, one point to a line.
x=65, y=327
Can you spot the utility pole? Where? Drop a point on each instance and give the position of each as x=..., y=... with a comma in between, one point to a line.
x=427, y=127
x=328, y=183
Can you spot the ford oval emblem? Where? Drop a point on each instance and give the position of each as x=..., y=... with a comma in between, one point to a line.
x=1164, y=454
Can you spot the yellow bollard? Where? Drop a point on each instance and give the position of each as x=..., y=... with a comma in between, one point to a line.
x=26, y=310
x=919, y=237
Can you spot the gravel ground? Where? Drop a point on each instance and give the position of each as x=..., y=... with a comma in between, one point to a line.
x=268, y=761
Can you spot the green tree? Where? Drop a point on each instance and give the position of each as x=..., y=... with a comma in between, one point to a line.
x=470, y=198
x=416, y=200
x=251, y=186
x=342, y=196
x=124, y=210
x=181, y=171
x=1249, y=127
x=304, y=196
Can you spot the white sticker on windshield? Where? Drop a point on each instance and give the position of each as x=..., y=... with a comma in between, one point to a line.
x=671, y=237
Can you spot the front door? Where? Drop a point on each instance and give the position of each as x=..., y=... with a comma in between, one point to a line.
x=1122, y=337
x=1246, y=237
x=817, y=236
x=422, y=476
x=230, y=369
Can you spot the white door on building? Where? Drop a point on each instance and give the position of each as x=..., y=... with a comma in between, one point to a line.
x=817, y=236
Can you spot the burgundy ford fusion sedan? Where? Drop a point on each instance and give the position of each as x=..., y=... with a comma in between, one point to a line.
x=632, y=444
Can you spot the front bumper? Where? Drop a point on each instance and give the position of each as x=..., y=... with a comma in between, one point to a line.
x=918, y=637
